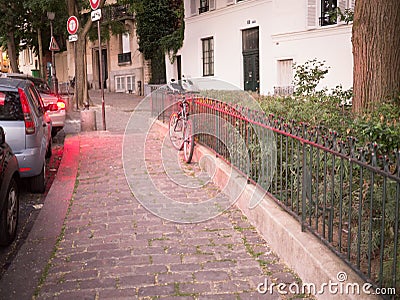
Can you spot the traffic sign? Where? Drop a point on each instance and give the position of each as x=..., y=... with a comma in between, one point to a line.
x=73, y=38
x=53, y=45
x=96, y=15
x=72, y=25
x=94, y=4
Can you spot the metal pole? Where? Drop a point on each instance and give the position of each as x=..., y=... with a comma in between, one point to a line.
x=103, y=109
x=53, y=67
x=76, y=80
x=52, y=56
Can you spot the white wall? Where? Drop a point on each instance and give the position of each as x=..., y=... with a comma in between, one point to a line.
x=283, y=35
x=332, y=45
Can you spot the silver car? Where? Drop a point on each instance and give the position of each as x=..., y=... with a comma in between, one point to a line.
x=27, y=127
x=57, y=116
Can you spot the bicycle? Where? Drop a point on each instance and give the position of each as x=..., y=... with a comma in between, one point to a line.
x=180, y=128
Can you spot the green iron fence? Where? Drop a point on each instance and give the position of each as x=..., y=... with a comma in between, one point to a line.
x=347, y=196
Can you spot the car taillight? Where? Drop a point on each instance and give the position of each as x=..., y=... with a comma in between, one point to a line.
x=26, y=110
x=61, y=104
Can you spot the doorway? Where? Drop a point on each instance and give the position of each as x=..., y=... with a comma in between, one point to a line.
x=105, y=67
x=179, y=66
x=251, y=59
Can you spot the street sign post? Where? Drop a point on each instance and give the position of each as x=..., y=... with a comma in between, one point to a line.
x=73, y=38
x=96, y=16
x=72, y=27
x=94, y=4
x=54, y=45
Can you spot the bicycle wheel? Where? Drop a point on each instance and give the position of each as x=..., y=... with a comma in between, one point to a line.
x=188, y=145
x=176, y=131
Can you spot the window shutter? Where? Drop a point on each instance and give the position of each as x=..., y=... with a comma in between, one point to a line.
x=230, y=1
x=193, y=8
x=212, y=4
x=311, y=14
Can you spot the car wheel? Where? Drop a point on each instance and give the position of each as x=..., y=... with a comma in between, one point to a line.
x=9, y=215
x=38, y=182
x=49, y=150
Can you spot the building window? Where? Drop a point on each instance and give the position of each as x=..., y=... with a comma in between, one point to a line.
x=120, y=84
x=125, y=84
x=250, y=39
x=124, y=58
x=203, y=6
x=130, y=83
x=328, y=12
x=285, y=77
x=208, y=56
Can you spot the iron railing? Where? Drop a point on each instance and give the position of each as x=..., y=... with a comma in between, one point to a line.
x=283, y=90
x=347, y=196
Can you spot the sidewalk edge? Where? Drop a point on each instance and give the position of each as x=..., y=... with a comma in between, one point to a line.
x=21, y=279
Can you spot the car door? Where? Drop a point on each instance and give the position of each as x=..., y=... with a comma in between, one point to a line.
x=43, y=127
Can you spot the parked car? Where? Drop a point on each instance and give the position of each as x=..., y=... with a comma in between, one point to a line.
x=9, y=192
x=27, y=127
x=58, y=116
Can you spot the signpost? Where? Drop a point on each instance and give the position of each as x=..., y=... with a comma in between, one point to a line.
x=72, y=27
x=94, y=4
x=54, y=45
x=96, y=16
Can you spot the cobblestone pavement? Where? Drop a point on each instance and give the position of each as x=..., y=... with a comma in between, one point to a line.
x=111, y=247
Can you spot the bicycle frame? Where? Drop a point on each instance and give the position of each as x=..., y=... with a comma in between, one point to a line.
x=181, y=118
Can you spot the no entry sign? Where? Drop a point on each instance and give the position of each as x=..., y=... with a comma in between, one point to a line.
x=94, y=4
x=72, y=25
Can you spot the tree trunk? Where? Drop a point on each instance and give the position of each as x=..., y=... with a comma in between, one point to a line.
x=81, y=89
x=80, y=72
x=12, y=52
x=42, y=66
x=81, y=95
x=376, y=52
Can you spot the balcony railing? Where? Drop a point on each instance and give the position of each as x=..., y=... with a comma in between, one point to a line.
x=124, y=58
x=283, y=90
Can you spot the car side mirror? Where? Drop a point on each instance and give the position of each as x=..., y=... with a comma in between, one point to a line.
x=52, y=107
x=2, y=136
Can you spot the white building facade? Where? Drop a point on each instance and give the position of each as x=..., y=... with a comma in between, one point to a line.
x=253, y=44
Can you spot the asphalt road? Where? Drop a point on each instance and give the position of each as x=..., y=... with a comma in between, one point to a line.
x=30, y=204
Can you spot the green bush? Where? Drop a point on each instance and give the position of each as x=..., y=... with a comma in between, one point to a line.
x=333, y=110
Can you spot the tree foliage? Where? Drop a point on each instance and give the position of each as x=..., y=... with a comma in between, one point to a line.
x=160, y=26
x=13, y=26
x=23, y=20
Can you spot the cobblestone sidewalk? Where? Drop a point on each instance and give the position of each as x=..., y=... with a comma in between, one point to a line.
x=111, y=247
